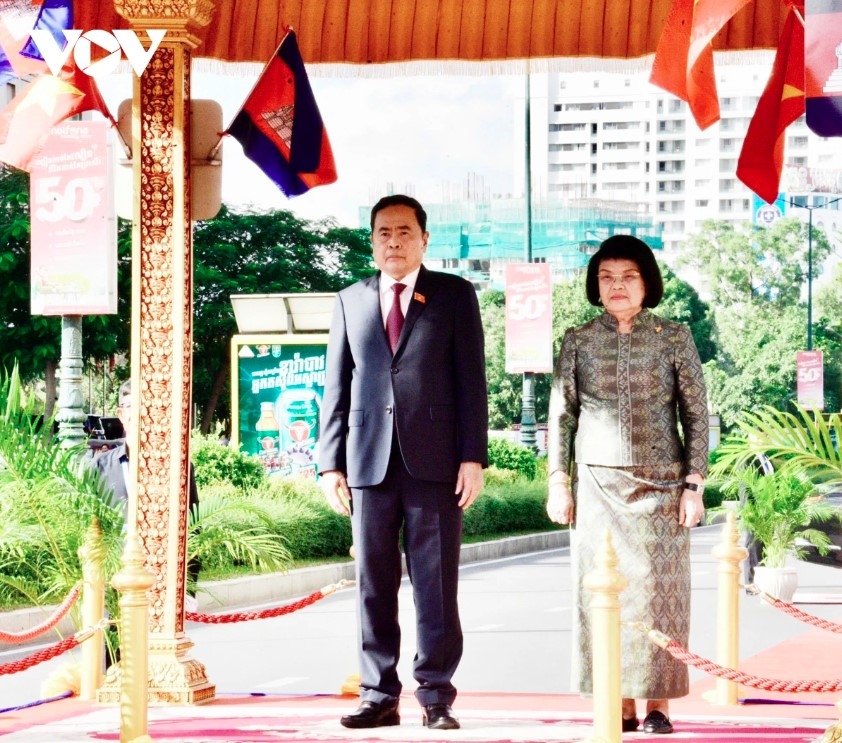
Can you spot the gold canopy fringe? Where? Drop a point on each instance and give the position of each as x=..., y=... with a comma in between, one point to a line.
x=465, y=68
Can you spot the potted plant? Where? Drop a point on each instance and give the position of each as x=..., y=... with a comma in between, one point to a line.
x=779, y=509
x=779, y=465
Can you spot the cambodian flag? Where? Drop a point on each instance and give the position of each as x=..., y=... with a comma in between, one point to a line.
x=823, y=66
x=280, y=127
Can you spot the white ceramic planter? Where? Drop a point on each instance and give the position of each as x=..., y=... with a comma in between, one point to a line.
x=778, y=582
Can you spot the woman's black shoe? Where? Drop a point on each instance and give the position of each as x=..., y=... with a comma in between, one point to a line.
x=657, y=722
x=630, y=724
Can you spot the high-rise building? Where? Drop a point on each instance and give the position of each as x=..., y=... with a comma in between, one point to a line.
x=614, y=136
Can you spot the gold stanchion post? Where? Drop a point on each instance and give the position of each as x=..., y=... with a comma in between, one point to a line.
x=92, y=557
x=133, y=581
x=606, y=583
x=729, y=554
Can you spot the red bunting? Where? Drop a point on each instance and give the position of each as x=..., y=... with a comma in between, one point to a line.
x=683, y=62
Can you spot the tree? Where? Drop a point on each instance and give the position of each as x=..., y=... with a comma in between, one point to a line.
x=756, y=277
x=755, y=363
x=749, y=264
x=256, y=253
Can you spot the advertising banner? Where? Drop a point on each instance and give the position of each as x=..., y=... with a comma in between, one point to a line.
x=529, y=318
x=74, y=228
x=810, y=375
x=276, y=396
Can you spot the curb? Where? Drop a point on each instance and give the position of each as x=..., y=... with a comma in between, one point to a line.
x=238, y=593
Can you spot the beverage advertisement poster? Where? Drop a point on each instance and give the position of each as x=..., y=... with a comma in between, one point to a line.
x=74, y=228
x=529, y=318
x=810, y=376
x=277, y=388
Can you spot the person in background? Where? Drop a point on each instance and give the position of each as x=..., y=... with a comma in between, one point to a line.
x=623, y=383
x=403, y=444
x=113, y=466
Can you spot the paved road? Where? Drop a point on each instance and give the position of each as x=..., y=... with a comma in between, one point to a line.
x=516, y=616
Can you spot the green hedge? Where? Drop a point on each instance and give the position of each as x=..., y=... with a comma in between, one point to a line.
x=508, y=455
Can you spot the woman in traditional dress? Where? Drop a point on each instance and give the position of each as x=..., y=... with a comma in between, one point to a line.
x=623, y=383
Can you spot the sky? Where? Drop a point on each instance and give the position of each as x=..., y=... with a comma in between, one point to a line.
x=419, y=130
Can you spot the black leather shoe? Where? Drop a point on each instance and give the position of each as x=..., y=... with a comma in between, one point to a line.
x=439, y=717
x=657, y=722
x=630, y=724
x=372, y=715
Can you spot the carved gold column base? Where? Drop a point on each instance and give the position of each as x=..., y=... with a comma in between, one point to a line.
x=174, y=678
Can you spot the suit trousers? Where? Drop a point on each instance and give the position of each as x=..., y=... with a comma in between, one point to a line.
x=431, y=522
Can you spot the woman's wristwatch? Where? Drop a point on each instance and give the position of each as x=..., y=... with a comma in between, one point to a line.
x=696, y=487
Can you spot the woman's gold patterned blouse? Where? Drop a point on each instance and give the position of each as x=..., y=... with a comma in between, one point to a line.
x=620, y=396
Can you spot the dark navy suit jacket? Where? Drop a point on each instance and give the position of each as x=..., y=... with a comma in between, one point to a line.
x=432, y=391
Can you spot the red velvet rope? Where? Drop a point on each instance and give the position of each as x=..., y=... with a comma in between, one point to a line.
x=40, y=657
x=15, y=638
x=278, y=611
x=802, y=616
x=746, y=679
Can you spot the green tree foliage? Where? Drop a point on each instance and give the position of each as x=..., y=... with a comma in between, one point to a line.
x=755, y=364
x=756, y=277
x=256, y=253
x=745, y=264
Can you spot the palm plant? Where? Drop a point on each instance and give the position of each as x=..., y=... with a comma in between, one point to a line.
x=49, y=497
x=780, y=507
x=805, y=439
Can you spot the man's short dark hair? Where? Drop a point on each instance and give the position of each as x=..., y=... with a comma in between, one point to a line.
x=626, y=247
x=400, y=199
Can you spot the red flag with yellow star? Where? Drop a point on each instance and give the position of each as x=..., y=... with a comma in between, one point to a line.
x=683, y=63
x=26, y=121
x=762, y=156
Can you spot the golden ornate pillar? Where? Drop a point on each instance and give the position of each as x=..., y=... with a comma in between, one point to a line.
x=162, y=330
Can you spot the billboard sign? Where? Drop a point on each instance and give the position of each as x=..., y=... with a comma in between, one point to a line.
x=276, y=397
x=810, y=376
x=73, y=225
x=529, y=318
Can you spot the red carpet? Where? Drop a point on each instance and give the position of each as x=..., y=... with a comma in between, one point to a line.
x=486, y=717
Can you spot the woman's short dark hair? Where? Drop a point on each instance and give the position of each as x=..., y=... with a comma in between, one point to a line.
x=400, y=199
x=626, y=247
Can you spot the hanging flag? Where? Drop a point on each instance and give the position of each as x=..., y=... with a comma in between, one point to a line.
x=762, y=155
x=18, y=18
x=26, y=120
x=823, y=67
x=683, y=63
x=280, y=127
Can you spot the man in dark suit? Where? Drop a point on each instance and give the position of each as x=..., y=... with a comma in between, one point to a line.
x=402, y=447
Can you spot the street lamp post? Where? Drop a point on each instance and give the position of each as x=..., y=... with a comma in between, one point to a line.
x=528, y=422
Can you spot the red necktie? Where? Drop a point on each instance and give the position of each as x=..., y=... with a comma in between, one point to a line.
x=394, y=320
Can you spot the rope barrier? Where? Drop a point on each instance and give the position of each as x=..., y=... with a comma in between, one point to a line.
x=799, y=614
x=53, y=651
x=746, y=679
x=16, y=638
x=245, y=616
